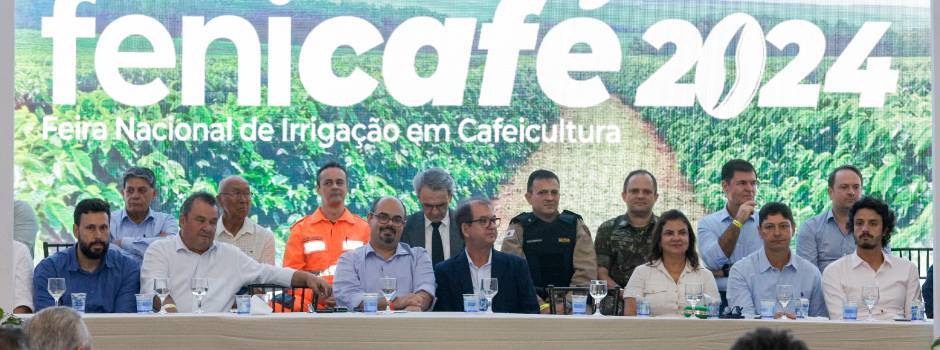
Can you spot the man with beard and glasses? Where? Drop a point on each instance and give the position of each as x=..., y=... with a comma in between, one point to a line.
x=236, y=228
x=108, y=278
x=871, y=222
x=136, y=226
x=359, y=271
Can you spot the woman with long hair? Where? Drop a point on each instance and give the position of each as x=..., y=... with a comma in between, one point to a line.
x=672, y=263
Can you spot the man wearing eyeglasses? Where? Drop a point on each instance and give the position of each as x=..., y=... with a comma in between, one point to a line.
x=434, y=228
x=359, y=270
x=236, y=228
x=557, y=246
x=462, y=273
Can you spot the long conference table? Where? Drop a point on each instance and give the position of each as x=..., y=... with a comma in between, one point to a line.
x=478, y=331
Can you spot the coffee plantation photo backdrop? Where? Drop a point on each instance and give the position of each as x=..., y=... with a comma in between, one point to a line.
x=793, y=146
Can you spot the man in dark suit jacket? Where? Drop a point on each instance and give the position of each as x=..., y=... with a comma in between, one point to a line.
x=461, y=273
x=434, y=227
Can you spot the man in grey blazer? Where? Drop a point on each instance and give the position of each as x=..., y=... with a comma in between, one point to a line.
x=434, y=227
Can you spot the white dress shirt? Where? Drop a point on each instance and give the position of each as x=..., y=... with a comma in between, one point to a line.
x=478, y=273
x=445, y=235
x=253, y=239
x=666, y=297
x=225, y=266
x=23, y=269
x=897, y=280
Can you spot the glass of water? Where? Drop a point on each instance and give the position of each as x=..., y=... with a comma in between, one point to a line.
x=389, y=286
x=56, y=287
x=694, y=293
x=199, y=286
x=489, y=287
x=161, y=286
x=870, y=295
x=784, y=295
x=598, y=291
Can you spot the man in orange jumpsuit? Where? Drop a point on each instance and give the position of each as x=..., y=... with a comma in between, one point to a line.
x=317, y=241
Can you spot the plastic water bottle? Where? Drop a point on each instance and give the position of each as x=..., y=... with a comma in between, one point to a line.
x=850, y=311
x=804, y=308
x=917, y=310
x=643, y=308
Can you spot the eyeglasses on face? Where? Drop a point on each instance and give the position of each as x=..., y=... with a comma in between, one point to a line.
x=486, y=222
x=385, y=218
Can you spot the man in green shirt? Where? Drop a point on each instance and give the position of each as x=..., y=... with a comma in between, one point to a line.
x=623, y=242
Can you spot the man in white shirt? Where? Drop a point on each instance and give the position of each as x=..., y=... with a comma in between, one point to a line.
x=434, y=227
x=236, y=228
x=871, y=221
x=23, y=274
x=195, y=254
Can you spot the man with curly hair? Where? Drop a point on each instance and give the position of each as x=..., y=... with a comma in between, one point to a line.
x=872, y=222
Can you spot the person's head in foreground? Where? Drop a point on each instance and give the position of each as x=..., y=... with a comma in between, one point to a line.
x=58, y=328
x=768, y=339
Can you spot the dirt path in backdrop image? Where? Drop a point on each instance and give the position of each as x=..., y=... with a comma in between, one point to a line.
x=592, y=174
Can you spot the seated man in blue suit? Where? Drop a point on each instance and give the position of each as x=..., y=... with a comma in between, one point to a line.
x=461, y=273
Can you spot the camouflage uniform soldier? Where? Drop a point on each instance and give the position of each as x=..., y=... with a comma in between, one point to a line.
x=623, y=242
x=557, y=246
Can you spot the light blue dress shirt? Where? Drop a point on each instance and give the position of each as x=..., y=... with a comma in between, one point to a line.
x=137, y=237
x=710, y=229
x=753, y=279
x=358, y=271
x=820, y=241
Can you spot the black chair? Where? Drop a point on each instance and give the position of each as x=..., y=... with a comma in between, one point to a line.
x=611, y=305
x=284, y=299
x=922, y=257
x=52, y=248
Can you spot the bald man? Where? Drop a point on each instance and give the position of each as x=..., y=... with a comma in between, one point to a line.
x=236, y=228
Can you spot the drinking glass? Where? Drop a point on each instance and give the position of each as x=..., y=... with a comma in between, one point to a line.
x=389, y=286
x=200, y=286
x=870, y=295
x=784, y=295
x=598, y=291
x=694, y=293
x=162, y=288
x=490, y=287
x=56, y=287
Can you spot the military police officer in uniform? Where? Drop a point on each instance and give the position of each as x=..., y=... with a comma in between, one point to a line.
x=623, y=242
x=557, y=246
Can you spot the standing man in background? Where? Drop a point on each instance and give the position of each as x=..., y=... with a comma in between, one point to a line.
x=434, y=228
x=236, y=228
x=318, y=240
x=136, y=226
x=825, y=238
x=730, y=234
x=557, y=246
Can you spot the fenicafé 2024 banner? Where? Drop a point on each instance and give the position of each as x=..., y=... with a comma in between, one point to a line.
x=490, y=90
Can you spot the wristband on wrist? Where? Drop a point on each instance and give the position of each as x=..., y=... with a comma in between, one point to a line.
x=169, y=306
x=543, y=307
x=737, y=223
